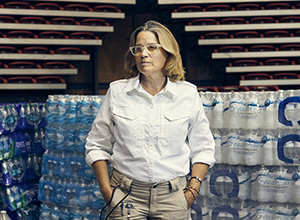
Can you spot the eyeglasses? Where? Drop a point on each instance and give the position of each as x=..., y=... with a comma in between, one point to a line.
x=138, y=50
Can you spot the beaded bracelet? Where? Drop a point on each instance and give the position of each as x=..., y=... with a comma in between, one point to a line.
x=198, y=179
x=193, y=188
x=191, y=192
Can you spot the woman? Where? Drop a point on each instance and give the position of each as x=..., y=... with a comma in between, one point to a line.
x=151, y=127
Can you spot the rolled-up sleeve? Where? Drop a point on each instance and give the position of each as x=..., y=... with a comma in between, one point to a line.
x=200, y=138
x=100, y=139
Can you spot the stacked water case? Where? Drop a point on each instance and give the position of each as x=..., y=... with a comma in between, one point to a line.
x=257, y=174
x=21, y=148
x=68, y=187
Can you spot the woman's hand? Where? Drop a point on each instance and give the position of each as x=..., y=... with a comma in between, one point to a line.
x=107, y=194
x=189, y=198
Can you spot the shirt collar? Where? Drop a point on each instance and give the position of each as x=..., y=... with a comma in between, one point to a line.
x=169, y=90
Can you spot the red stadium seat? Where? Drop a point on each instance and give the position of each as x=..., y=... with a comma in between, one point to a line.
x=50, y=79
x=3, y=80
x=18, y=5
x=290, y=19
x=230, y=49
x=21, y=65
x=207, y=88
x=20, y=34
x=261, y=20
x=286, y=76
x=278, y=5
x=298, y=5
x=203, y=21
x=218, y=7
x=94, y=22
x=36, y=50
x=7, y=49
x=57, y=65
x=246, y=34
x=247, y=62
x=233, y=21
x=291, y=47
x=106, y=8
x=7, y=19
x=21, y=79
x=83, y=35
x=69, y=50
x=216, y=35
x=233, y=88
x=297, y=34
x=277, y=62
x=77, y=7
x=33, y=20
x=52, y=35
x=188, y=8
x=247, y=7
x=263, y=88
x=48, y=6
x=64, y=21
x=256, y=76
x=277, y=33
x=266, y=47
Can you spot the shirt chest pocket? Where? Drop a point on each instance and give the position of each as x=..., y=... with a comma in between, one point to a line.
x=126, y=122
x=176, y=124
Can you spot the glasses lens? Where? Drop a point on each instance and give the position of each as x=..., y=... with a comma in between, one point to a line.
x=137, y=50
x=152, y=47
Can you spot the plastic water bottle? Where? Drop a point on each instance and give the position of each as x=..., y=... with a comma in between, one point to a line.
x=236, y=108
x=4, y=215
x=226, y=97
x=278, y=100
x=52, y=107
x=208, y=105
x=235, y=141
x=61, y=137
x=253, y=147
x=11, y=118
x=84, y=193
x=225, y=145
x=97, y=199
x=63, y=103
x=34, y=116
x=82, y=131
x=284, y=184
x=73, y=102
x=288, y=149
x=45, y=211
x=252, y=111
x=218, y=111
x=70, y=192
x=269, y=117
x=43, y=114
x=244, y=183
x=218, y=142
x=296, y=188
x=264, y=185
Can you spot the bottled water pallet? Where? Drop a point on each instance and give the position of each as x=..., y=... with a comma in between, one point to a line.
x=68, y=187
x=21, y=148
x=252, y=110
x=214, y=209
x=275, y=184
x=257, y=147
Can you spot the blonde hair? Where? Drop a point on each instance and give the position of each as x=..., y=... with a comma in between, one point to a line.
x=173, y=68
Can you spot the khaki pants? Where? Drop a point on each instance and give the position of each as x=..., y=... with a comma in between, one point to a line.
x=165, y=201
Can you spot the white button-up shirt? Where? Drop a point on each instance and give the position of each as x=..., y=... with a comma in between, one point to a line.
x=151, y=138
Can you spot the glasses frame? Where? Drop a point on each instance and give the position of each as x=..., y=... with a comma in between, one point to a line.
x=144, y=47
